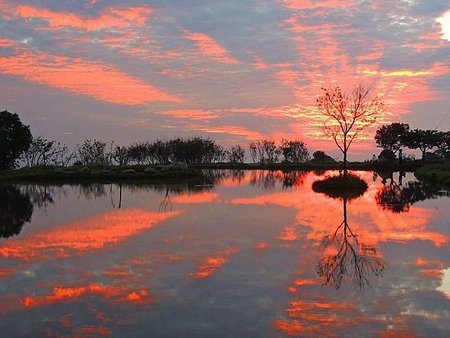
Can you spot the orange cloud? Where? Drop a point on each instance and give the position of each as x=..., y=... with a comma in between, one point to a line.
x=61, y=294
x=112, y=17
x=98, y=80
x=96, y=233
x=209, y=47
x=4, y=42
x=212, y=264
x=314, y=4
x=330, y=61
x=230, y=130
x=316, y=318
x=191, y=114
x=203, y=197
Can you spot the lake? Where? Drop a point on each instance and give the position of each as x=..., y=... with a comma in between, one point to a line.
x=240, y=254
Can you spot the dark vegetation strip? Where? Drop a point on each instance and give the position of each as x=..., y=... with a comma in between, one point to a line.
x=98, y=174
x=152, y=173
x=435, y=173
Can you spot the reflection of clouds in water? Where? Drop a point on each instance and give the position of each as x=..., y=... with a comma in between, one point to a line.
x=222, y=259
x=445, y=286
x=96, y=233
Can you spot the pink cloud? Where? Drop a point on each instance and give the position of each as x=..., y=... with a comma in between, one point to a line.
x=209, y=47
x=191, y=114
x=314, y=4
x=4, y=42
x=112, y=17
x=98, y=80
x=234, y=130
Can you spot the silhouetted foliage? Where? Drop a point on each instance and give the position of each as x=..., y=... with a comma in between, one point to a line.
x=346, y=115
x=436, y=173
x=140, y=153
x=267, y=151
x=16, y=209
x=294, y=151
x=15, y=138
x=386, y=155
x=320, y=156
x=423, y=140
x=349, y=186
x=121, y=155
x=95, y=152
x=392, y=136
x=44, y=152
x=444, y=144
x=346, y=257
x=194, y=150
x=236, y=154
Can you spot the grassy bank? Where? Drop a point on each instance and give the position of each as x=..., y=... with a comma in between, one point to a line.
x=435, y=173
x=99, y=174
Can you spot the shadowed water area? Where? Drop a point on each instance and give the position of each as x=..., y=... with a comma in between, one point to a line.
x=242, y=253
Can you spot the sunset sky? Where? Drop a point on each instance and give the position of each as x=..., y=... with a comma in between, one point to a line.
x=234, y=70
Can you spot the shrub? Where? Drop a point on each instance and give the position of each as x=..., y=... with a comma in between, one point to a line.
x=350, y=186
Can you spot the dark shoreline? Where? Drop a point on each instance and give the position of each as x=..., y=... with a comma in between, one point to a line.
x=137, y=173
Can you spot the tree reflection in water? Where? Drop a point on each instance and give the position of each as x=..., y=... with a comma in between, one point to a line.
x=347, y=257
x=398, y=198
x=166, y=203
x=15, y=210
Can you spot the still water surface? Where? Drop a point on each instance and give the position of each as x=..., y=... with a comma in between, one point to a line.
x=241, y=254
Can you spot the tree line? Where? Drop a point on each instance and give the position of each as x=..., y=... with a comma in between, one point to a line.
x=394, y=137
x=19, y=147
x=193, y=150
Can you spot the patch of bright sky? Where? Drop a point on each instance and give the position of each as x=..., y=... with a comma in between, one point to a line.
x=445, y=286
x=444, y=20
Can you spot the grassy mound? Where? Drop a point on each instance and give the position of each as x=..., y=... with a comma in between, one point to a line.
x=350, y=186
x=435, y=173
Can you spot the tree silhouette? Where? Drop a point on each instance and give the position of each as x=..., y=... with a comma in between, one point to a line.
x=346, y=257
x=15, y=210
x=15, y=138
x=391, y=137
x=346, y=115
x=294, y=151
x=422, y=139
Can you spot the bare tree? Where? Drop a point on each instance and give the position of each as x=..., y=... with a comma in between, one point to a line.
x=347, y=114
